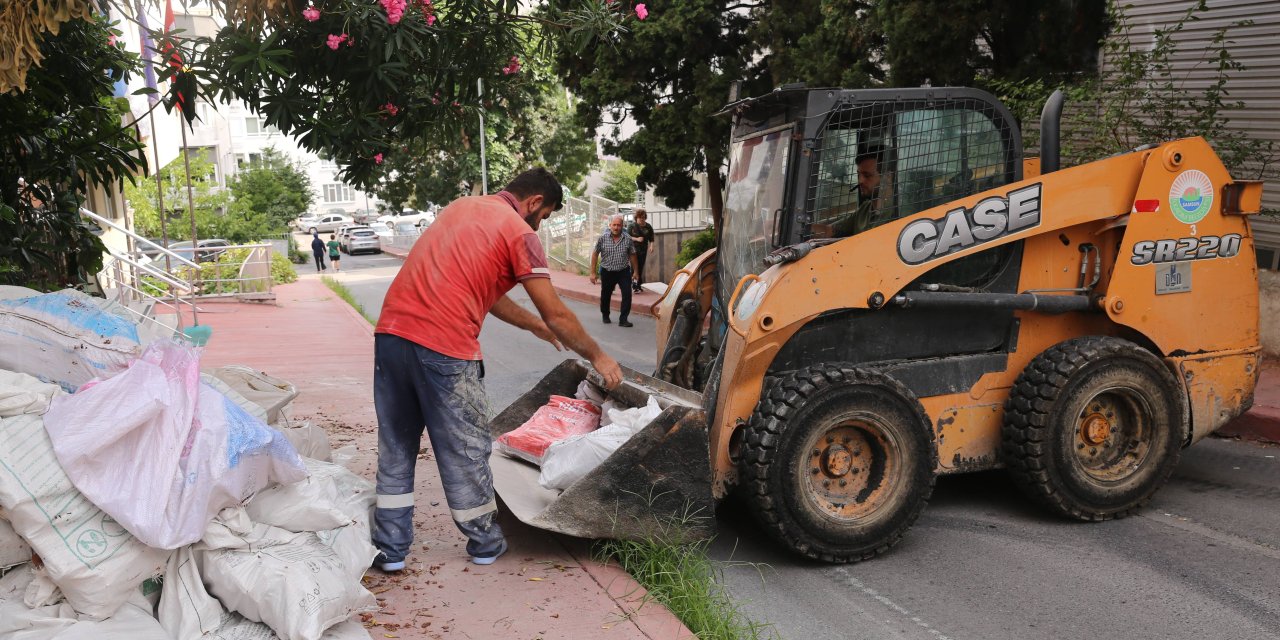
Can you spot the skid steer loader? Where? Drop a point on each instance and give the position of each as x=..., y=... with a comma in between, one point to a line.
x=896, y=294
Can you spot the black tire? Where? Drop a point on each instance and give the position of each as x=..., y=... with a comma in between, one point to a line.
x=821, y=426
x=312, y=230
x=1093, y=427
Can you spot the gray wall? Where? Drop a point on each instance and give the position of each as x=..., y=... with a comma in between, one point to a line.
x=1257, y=46
x=661, y=265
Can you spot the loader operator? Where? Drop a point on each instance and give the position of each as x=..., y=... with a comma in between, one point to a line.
x=427, y=363
x=869, y=212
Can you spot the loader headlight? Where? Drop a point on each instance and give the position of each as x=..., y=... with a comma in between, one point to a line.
x=751, y=299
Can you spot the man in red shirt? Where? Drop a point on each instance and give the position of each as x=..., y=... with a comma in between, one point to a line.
x=427, y=361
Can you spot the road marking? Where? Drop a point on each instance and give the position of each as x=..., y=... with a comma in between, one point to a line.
x=1188, y=525
x=849, y=580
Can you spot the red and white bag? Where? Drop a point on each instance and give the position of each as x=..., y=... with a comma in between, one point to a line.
x=560, y=418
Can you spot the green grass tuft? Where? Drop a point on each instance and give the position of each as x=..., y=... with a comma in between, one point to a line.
x=677, y=573
x=343, y=292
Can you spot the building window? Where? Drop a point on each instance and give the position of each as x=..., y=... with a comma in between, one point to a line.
x=257, y=126
x=338, y=192
x=249, y=160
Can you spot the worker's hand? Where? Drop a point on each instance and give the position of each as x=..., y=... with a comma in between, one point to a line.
x=544, y=332
x=594, y=278
x=608, y=369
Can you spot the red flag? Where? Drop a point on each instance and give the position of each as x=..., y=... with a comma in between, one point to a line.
x=171, y=52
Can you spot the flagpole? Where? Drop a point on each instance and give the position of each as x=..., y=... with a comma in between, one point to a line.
x=164, y=226
x=191, y=204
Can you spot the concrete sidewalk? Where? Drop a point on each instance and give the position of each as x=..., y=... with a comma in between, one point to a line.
x=1262, y=422
x=546, y=586
x=577, y=287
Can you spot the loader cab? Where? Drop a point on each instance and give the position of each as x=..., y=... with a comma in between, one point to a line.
x=798, y=172
x=796, y=157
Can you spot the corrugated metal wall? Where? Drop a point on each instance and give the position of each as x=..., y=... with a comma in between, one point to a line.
x=1257, y=46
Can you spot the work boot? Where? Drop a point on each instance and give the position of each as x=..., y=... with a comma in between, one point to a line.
x=384, y=565
x=607, y=320
x=488, y=560
x=624, y=323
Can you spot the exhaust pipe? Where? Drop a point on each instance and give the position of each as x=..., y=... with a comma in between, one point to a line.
x=1050, y=140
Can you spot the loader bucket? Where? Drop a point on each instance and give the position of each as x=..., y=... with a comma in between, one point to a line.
x=657, y=485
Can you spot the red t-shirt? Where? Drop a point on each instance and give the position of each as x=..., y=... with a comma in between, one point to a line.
x=477, y=249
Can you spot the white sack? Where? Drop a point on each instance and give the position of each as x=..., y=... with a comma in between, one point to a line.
x=21, y=393
x=588, y=391
x=14, y=582
x=13, y=549
x=95, y=562
x=569, y=460
x=270, y=393
x=186, y=610
x=162, y=452
x=132, y=621
x=316, y=503
x=310, y=441
x=292, y=582
x=235, y=627
x=65, y=338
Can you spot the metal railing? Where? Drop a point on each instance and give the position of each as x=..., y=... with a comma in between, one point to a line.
x=569, y=235
x=679, y=219
x=241, y=271
x=124, y=280
x=401, y=241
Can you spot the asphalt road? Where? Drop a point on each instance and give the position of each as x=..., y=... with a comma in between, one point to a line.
x=1202, y=561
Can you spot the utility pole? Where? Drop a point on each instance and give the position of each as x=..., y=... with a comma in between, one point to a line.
x=484, y=168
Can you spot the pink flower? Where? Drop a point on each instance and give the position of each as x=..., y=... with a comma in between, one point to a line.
x=642, y=12
x=455, y=103
x=512, y=67
x=335, y=40
x=390, y=108
x=377, y=159
x=111, y=40
x=311, y=14
x=395, y=9
x=431, y=19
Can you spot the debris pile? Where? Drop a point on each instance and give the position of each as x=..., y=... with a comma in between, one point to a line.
x=142, y=498
x=569, y=437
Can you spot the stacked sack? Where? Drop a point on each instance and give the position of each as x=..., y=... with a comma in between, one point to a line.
x=153, y=474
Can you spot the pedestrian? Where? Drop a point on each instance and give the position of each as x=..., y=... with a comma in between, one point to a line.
x=613, y=260
x=317, y=250
x=335, y=255
x=641, y=233
x=428, y=368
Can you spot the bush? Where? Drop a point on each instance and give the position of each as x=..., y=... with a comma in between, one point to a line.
x=696, y=246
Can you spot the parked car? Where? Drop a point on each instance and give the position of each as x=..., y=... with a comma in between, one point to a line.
x=382, y=229
x=305, y=221
x=365, y=216
x=344, y=234
x=341, y=234
x=418, y=218
x=206, y=251
x=363, y=239
x=328, y=223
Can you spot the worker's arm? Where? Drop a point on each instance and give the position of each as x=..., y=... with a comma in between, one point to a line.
x=506, y=310
x=595, y=273
x=566, y=327
x=635, y=268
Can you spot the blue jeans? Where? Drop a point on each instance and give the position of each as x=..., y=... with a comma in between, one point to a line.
x=414, y=387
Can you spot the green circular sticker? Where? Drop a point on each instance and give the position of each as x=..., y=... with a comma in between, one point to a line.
x=1191, y=196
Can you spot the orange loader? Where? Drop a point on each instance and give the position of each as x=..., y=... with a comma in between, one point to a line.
x=897, y=293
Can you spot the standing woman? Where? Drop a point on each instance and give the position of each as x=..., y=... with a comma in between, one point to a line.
x=334, y=254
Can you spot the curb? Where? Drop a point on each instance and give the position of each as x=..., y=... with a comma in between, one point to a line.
x=1256, y=426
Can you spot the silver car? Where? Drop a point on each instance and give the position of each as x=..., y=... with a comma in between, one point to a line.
x=363, y=239
x=329, y=223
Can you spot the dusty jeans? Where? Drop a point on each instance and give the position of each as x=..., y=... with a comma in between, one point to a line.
x=415, y=387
